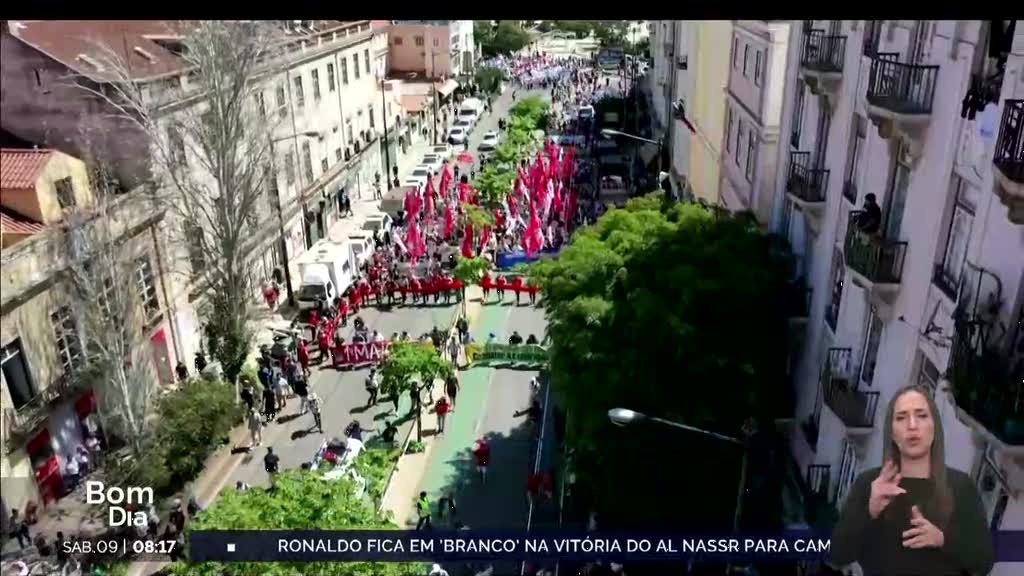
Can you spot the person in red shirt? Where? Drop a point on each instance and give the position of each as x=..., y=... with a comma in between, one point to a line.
x=448, y=287
x=517, y=287
x=391, y=288
x=457, y=289
x=501, y=284
x=487, y=283
x=324, y=342
x=343, y=311
x=482, y=455
x=302, y=352
x=415, y=288
x=548, y=484
x=532, y=288
x=365, y=292
x=442, y=408
x=353, y=300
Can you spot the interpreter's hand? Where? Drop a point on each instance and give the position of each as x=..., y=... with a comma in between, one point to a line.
x=884, y=489
x=924, y=534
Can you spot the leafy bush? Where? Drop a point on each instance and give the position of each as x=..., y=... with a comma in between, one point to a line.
x=375, y=465
x=489, y=79
x=415, y=447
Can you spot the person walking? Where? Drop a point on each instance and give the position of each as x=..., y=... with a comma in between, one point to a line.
x=454, y=350
x=247, y=397
x=423, y=511
x=301, y=388
x=482, y=455
x=270, y=463
x=255, y=422
x=19, y=529
x=451, y=388
x=441, y=409
x=269, y=404
x=314, y=407
x=371, y=387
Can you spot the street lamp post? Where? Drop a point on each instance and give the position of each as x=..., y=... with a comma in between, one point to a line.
x=625, y=417
x=387, y=144
x=283, y=244
x=660, y=143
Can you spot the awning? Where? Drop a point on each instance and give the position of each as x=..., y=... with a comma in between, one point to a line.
x=414, y=103
x=447, y=88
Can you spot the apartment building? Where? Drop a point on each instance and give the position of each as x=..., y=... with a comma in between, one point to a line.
x=321, y=93
x=691, y=70
x=753, y=113
x=927, y=117
x=44, y=398
x=434, y=48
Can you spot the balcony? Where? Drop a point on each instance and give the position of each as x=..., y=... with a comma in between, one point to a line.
x=821, y=61
x=1009, y=160
x=798, y=304
x=986, y=364
x=811, y=428
x=820, y=511
x=19, y=423
x=899, y=95
x=856, y=408
x=806, y=185
x=877, y=262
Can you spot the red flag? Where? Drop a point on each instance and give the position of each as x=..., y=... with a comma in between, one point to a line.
x=513, y=208
x=411, y=240
x=467, y=241
x=485, y=236
x=462, y=192
x=449, y=221
x=428, y=197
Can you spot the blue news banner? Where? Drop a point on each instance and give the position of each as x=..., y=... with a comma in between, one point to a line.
x=470, y=545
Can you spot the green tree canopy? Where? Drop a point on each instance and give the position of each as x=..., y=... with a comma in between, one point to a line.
x=506, y=38
x=300, y=500
x=676, y=314
x=409, y=367
x=489, y=79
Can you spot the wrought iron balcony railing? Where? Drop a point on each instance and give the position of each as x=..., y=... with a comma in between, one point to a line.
x=823, y=53
x=806, y=183
x=855, y=407
x=1009, y=153
x=819, y=505
x=901, y=88
x=878, y=259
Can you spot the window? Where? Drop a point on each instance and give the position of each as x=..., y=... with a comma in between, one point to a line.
x=927, y=374
x=338, y=155
x=739, y=136
x=728, y=129
x=261, y=105
x=177, y=144
x=147, y=288
x=65, y=192
x=272, y=192
x=871, y=342
x=369, y=112
x=366, y=61
x=196, y=257
x=751, y=155
x=757, y=68
x=735, y=51
x=847, y=471
x=746, y=54
x=344, y=70
x=835, y=300
x=316, y=84
x=355, y=66
x=307, y=161
x=872, y=36
x=324, y=166
x=419, y=40
x=437, y=42
x=300, y=98
x=289, y=168
x=398, y=40
x=348, y=129
x=330, y=77
x=282, y=102
x=951, y=267
x=854, y=165
x=69, y=344
x=896, y=200
x=16, y=374
x=798, y=115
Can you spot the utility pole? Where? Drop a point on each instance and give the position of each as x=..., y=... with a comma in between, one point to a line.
x=387, y=143
x=433, y=91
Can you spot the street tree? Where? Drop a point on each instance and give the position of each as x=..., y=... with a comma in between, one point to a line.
x=300, y=500
x=470, y=271
x=211, y=159
x=505, y=38
x=410, y=367
x=489, y=79
x=671, y=310
x=104, y=270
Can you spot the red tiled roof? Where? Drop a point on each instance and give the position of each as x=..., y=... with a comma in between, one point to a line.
x=13, y=223
x=380, y=24
x=414, y=102
x=20, y=167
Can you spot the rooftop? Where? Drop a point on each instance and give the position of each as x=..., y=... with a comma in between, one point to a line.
x=13, y=223
x=19, y=168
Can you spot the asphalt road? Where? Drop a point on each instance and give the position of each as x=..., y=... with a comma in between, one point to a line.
x=295, y=439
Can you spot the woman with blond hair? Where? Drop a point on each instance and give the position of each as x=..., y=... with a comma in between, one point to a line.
x=914, y=515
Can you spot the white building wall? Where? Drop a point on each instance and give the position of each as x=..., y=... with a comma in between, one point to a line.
x=918, y=306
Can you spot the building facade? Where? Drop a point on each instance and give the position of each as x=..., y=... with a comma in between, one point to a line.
x=44, y=400
x=434, y=48
x=925, y=116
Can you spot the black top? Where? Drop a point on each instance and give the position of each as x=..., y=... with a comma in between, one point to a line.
x=877, y=544
x=270, y=462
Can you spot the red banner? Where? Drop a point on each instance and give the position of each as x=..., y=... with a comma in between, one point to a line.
x=360, y=353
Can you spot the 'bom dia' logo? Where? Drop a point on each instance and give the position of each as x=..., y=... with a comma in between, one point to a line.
x=127, y=507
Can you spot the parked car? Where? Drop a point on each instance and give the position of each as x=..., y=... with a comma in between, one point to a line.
x=586, y=113
x=490, y=141
x=434, y=162
x=464, y=123
x=378, y=221
x=444, y=151
x=457, y=136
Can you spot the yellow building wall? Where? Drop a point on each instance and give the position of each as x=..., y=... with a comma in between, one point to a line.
x=60, y=166
x=711, y=66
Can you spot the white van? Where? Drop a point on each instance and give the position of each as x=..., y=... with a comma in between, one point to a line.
x=326, y=271
x=361, y=246
x=378, y=222
x=471, y=109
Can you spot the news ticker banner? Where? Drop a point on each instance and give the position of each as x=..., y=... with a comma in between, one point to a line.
x=471, y=545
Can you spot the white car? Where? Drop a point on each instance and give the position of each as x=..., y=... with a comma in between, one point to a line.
x=586, y=113
x=457, y=136
x=434, y=162
x=490, y=141
x=443, y=151
x=463, y=123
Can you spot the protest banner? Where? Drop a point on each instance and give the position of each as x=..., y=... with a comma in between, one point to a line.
x=360, y=353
